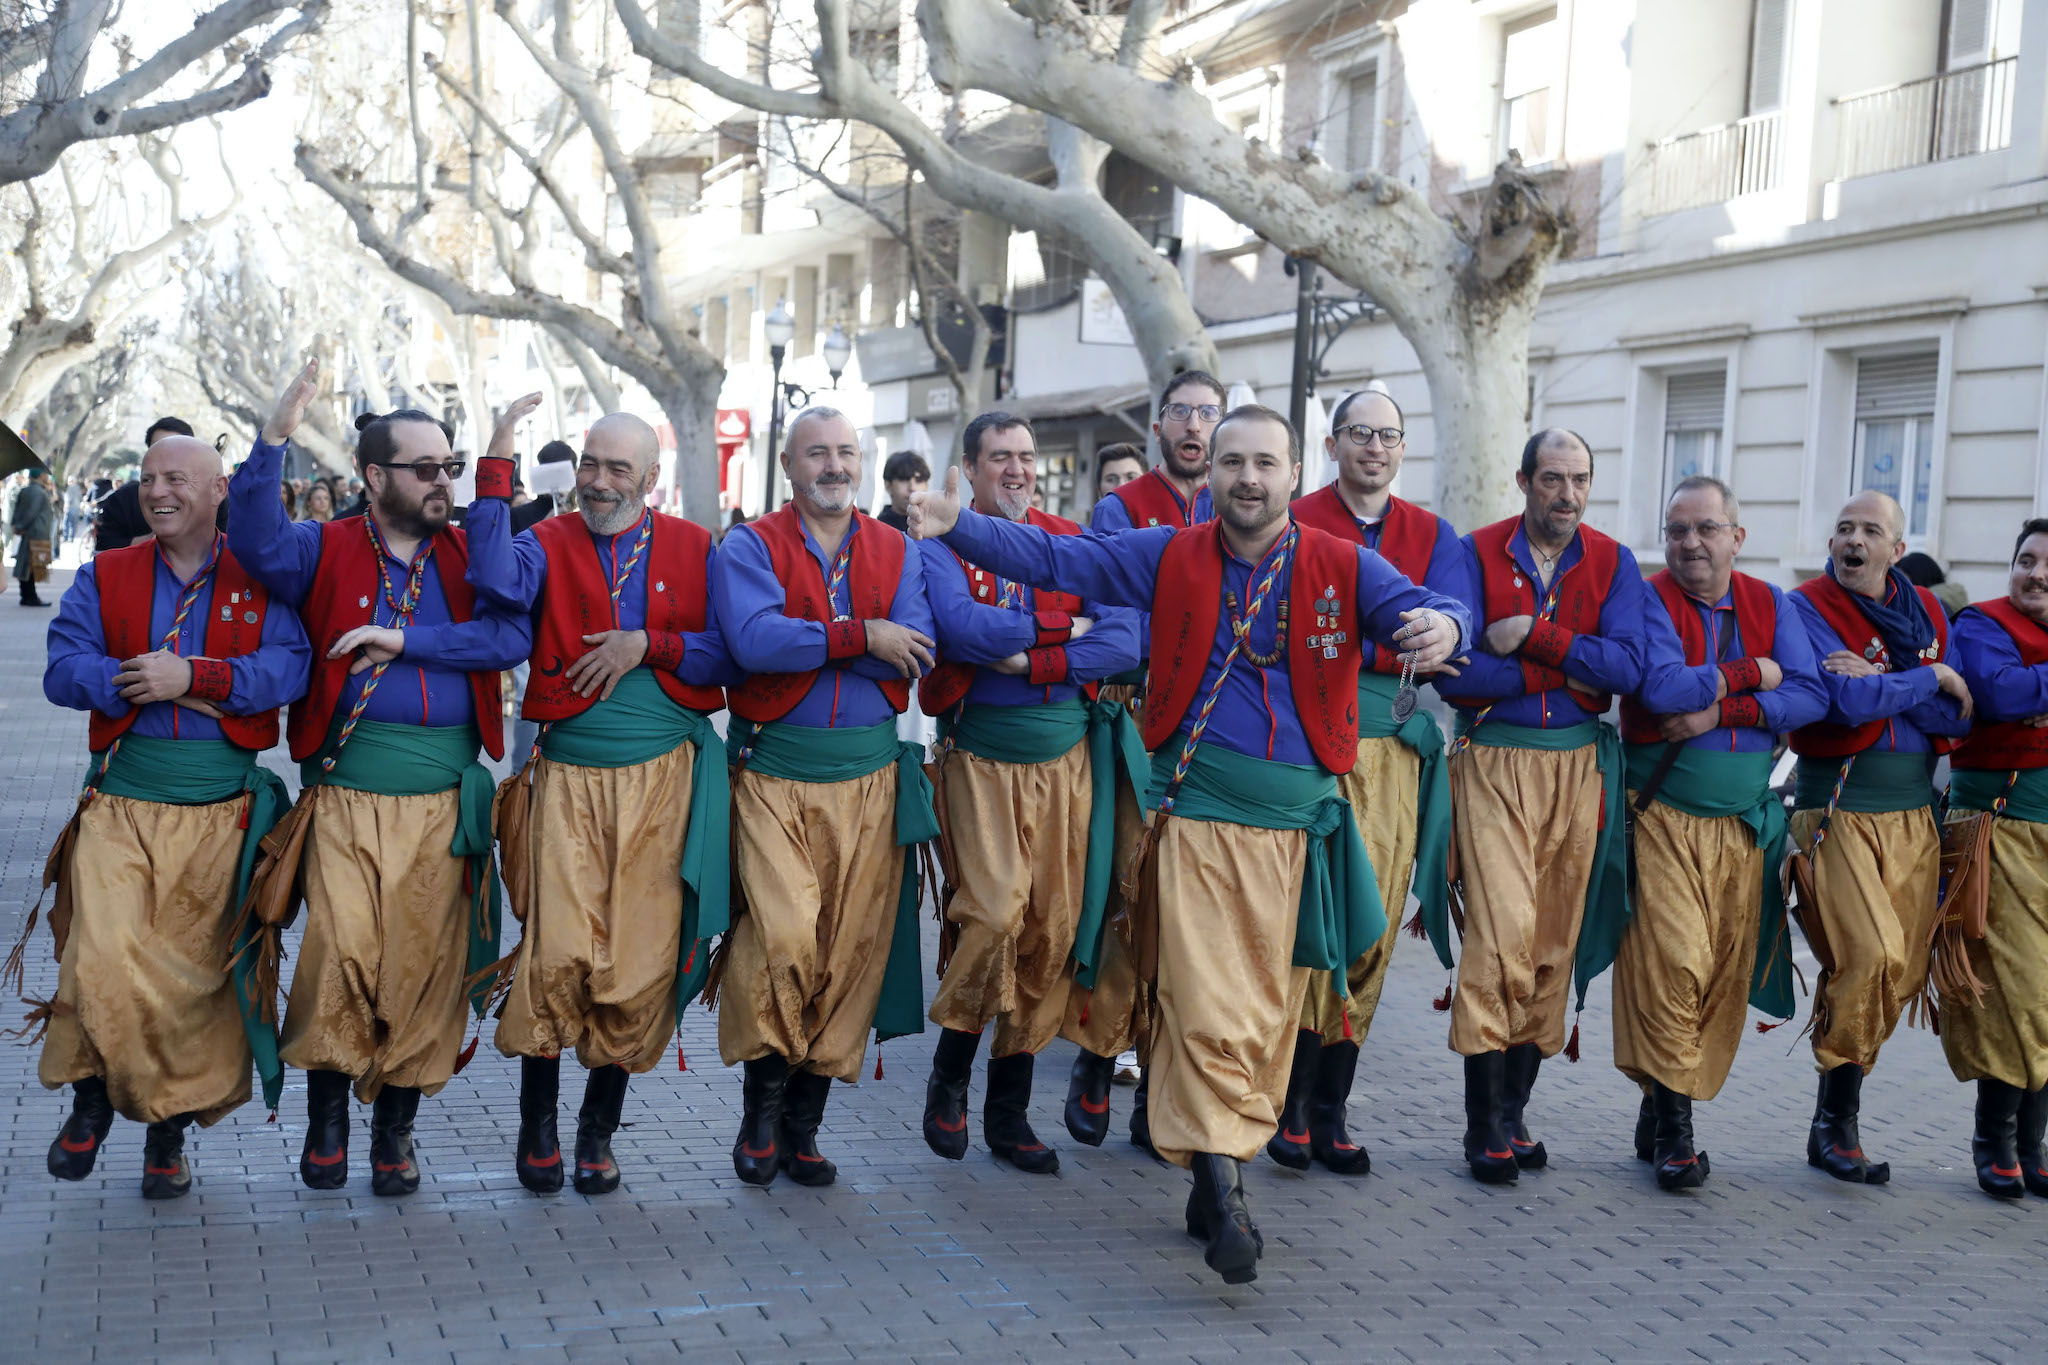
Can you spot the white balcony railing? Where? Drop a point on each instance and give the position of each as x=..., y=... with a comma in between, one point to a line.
x=1936, y=118
x=1715, y=164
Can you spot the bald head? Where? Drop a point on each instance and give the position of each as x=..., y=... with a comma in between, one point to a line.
x=621, y=433
x=621, y=460
x=189, y=453
x=181, y=487
x=1869, y=537
x=1872, y=505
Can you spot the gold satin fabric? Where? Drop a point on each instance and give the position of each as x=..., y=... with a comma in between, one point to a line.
x=1114, y=1016
x=1229, y=994
x=1383, y=794
x=1020, y=834
x=820, y=868
x=144, y=999
x=1681, y=977
x=377, y=992
x=1875, y=877
x=1526, y=822
x=2005, y=1036
x=597, y=961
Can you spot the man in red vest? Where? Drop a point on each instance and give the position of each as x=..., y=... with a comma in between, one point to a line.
x=2000, y=1040
x=1258, y=630
x=1728, y=670
x=1863, y=808
x=1536, y=785
x=183, y=661
x=824, y=607
x=1026, y=754
x=1400, y=790
x=401, y=895
x=624, y=846
x=1176, y=490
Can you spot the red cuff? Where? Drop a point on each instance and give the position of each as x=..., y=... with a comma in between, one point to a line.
x=1048, y=666
x=664, y=650
x=1742, y=675
x=1548, y=643
x=1741, y=711
x=212, y=680
x=494, y=477
x=1054, y=628
x=846, y=639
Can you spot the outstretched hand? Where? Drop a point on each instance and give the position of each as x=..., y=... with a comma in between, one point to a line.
x=933, y=514
x=500, y=447
x=291, y=406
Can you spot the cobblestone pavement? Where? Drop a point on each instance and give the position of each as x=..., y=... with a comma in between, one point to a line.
x=910, y=1256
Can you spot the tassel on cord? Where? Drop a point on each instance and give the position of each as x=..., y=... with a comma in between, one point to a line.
x=462, y=1057
x=1443, y=1002
x=1347, y=1022
x=1763, y=1027
x=1571, y=1047
x=1415, y=929
x=681, y=1063
x=878, y=1061
x=1087, y=1000
x=272, y=1118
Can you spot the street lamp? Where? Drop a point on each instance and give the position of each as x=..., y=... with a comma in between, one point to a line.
x=779, y=328
x=838, y=349
x=1319, y=319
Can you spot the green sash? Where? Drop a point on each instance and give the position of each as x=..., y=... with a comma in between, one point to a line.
x=200, y=773
x=1339, y=917
x=805, y=753
x=425, y=760
x=1974, y=789
x=1879, y=781
x=1607, y=904
x=1421, y=733
x=637, y=724
x=1713, y=785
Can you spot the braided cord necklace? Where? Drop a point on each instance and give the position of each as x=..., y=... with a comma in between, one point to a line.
x=401, y=609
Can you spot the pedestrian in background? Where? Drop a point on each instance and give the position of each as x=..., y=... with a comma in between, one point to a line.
x=34, y=519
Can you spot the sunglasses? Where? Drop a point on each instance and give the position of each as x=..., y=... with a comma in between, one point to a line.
x=425, y=470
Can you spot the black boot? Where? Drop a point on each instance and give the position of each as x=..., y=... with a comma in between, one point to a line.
x=323, y=1163
x=604, y=1095
x=757, y=1152
x=1486, y=1141
x=1522, y=1064
x=1005, y=1121
x=77, y=1144
x=392, y=1169
x=945, y=1094
x=538, y=1156
x=1141, y=1116
x=1679, y=1167
x=1995, y=1146
x=2033, y=1125
x=1329, y=1135
x=1226, y=1223
x=1646, y=1131
x=1088, y=1097
x=165, y=1172
x=803, y=1109
x=1833, y=1143
x=1289, y=1144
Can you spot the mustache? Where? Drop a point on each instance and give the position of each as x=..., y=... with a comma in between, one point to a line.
x=832, y=480
x=601, y=495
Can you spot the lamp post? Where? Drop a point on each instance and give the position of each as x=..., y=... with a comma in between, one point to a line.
x=778, y=327
x=838, y=349
x=1319, y=319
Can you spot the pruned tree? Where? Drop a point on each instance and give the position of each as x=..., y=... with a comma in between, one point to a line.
x=193, y=76
x=75, y=426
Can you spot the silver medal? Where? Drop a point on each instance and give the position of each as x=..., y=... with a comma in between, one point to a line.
x=1405, y=696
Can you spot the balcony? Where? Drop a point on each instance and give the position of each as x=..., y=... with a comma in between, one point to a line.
x=1715, y=164
x=1937, y=118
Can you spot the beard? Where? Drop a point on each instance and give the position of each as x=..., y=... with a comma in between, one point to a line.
x=1013, y=503
x=1249, y=518
x=1186, y=462
x=607, y=514
x=415, y=517
x=833, y=493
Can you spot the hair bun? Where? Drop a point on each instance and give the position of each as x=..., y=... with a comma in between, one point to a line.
x=364, y=420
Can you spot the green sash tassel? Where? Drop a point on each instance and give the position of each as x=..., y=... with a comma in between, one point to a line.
x=1979, y=789
x=1339, y=917
x=805, y=753
x=1116, y=756
x=1420, y=732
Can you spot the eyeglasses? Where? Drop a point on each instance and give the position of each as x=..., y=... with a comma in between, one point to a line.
x=1180, y=412
x=425, y=470
x=1705, y=530
x=1362, y=436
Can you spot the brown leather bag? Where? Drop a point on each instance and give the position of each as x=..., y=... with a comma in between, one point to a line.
x=39, y=556
x=1966, y=872
x=512, y=814
x=275, y=892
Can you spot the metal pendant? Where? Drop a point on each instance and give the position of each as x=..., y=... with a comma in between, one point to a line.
x=1404, y=703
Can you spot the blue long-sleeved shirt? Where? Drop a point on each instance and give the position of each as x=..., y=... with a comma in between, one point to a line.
x=1910, y=701
x=510, y=571
x=1609, y=661
x=428, y=684
x=1111, y=517
x=982, y=633
x=1450, y=572
x=1255, y=712
x=81, y=672
x=2003, y=688
x=748, y=600
x=1671, y=687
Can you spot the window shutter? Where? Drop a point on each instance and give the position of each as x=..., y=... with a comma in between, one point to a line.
x=1969, y=33
x=1694, y=402
x=1897, y=385
x=1362, y=98
x=1772, y=29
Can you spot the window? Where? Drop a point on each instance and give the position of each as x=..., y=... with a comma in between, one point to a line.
x=1529, y=103
x=1770, y=35
x=1969, y=33
x=1895, y=430
x=1361, y=122
x=1693, y=404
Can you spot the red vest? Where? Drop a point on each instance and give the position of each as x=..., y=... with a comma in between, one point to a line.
x=2005, y=745
x=127, y=583
x=1407, y=541
x=1187, y=603
x=1581, y=592
x=872, y=577
x=1837, y=607
x=344, y=595
x=577, y=601
x=946, y=684
x=1756, y=617
x=1152, y=501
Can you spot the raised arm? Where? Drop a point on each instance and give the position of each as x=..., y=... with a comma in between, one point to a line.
x=279, y=553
